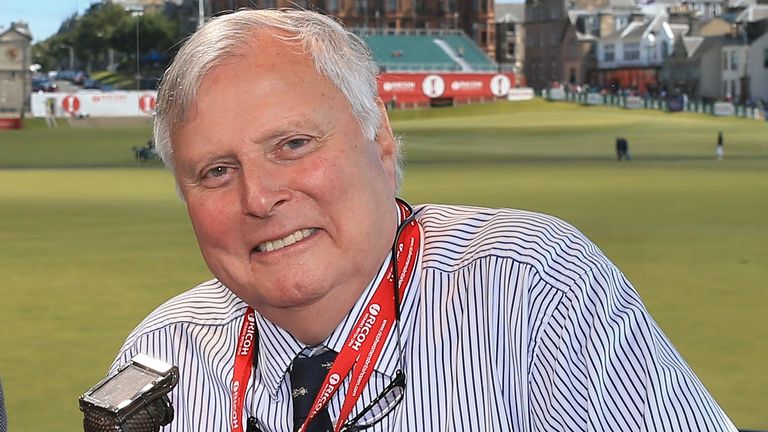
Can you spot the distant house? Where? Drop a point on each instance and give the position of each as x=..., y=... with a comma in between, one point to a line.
x=15, y=76
x=562, y=37
x=757, y=69
x=694, y=69
x=510, y=36
x=629, y=59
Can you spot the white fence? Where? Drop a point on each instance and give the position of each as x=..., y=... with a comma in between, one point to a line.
x=94, y=104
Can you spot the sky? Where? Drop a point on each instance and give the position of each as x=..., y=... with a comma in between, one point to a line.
x=43, y=16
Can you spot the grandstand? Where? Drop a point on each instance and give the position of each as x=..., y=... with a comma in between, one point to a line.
x=426, y=51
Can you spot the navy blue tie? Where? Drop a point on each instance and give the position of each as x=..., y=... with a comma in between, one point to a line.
x=307, y=375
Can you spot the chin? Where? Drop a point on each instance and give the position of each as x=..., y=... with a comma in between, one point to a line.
x=284, y=296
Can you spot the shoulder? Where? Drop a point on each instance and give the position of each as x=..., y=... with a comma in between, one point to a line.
x=456, y=236
x=209, y=304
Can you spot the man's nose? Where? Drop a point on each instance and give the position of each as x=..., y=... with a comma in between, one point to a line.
x=263, y=192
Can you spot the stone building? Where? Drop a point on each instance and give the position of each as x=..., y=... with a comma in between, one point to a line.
x=15, y=76
x=510, y=36
x=561, y=36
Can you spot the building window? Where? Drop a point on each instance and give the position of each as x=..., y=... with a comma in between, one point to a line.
x=553, y=11
x=621, y=22
x=725, y=87
x=554, y=39
x=609, y=53
x=734, y=60
x=632, y=51
x=595, y=26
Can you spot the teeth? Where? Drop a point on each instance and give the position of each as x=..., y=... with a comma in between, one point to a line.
x=286, y=241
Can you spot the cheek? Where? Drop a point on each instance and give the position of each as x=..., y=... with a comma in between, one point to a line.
x=210, y=223
x=325, y=177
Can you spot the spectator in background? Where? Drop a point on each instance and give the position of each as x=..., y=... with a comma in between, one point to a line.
x=622, y=149
x=492, y=320
x=50, y=112
x=719, y=151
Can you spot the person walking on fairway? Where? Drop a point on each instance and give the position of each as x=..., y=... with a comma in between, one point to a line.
x=719, y=149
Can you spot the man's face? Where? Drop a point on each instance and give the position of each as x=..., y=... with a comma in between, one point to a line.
x=292, y=207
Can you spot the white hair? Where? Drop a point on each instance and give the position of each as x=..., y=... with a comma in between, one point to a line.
x=338, y=55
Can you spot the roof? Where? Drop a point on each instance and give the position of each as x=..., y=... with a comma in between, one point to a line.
x=753, y=13
x=622, y=4
x=18, y=27
x=675, y=30
x=510, y=12
x=699, y=46
x=692, y=43
x=736, y=4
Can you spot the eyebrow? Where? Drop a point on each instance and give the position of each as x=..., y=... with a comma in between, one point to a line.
x=292, y=127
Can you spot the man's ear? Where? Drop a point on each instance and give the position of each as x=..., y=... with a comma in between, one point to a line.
x=386, y=143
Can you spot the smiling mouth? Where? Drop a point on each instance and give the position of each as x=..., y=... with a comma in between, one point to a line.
x=285, y=241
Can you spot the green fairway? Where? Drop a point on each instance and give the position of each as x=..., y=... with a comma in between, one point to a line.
x=85, y=253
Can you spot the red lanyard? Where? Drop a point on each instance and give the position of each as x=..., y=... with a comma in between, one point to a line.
x=243, y=367
x=363, y=346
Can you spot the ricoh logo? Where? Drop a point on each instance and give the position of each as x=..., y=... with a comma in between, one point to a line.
x=247, y=342
x=466, y=85
x=333, y=380
x=389, y=86
x=235, y=395
x=368, y=322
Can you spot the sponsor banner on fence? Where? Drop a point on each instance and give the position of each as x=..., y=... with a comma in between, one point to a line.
x=633, y=102
x=556, y=94
x=520, y=94
x=723, y=109
x=95, y=104
x=594, y=99
x=675, y=104
x=423, y=87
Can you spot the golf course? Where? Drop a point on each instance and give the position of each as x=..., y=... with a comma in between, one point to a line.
x=91, y=240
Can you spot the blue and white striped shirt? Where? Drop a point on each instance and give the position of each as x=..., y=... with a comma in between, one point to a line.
x=516, y=322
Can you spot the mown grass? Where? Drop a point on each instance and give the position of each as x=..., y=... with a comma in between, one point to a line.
x=85, y=253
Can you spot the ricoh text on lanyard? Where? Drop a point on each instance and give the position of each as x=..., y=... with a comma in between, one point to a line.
x=363, y=345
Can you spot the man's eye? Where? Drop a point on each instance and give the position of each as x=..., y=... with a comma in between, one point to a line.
x=297, y=143
x=218, y=171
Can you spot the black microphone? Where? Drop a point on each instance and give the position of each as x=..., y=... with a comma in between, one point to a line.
x=135, y=399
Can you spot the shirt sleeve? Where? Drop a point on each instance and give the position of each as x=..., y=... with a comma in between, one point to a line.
x=602, y=363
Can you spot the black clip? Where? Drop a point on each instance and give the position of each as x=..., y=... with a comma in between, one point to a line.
x=253, y=425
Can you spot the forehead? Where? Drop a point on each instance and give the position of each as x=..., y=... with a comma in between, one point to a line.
x=271, y=64
x=268, y=84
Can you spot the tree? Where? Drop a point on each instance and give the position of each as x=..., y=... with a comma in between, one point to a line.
x=96, y=31
x=106, y=27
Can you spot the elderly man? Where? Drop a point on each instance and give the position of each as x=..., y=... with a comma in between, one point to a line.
x=337, y=307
